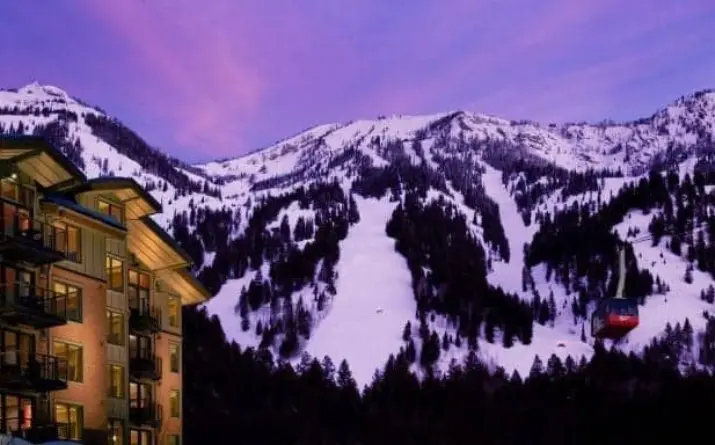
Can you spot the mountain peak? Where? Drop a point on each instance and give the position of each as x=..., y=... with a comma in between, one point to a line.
x=40, y=91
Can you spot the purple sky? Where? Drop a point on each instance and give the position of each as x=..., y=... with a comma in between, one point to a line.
x=216, y=78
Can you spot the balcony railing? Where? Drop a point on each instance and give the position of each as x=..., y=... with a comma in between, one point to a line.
x=27, y=239
x=143, y=412
x=32, y=305
x=20, y=370
x=144, y=365
x=143, y=317
x=36, y=429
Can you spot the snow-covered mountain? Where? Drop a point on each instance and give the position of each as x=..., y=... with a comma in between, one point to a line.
x=493, y=221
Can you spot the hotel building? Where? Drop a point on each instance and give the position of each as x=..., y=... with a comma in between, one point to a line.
x=91, y=290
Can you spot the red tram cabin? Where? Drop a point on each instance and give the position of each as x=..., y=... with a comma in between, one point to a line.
x=614, y=318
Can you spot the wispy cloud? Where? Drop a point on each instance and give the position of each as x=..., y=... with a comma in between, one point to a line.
x=224, y=76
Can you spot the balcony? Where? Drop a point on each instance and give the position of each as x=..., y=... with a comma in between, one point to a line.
x=37, y=428
x=145, y=413
x=144, y=318
x=41, y=432
x=25, y=239
x=144, y=365
x=21, y=371
x=22, y=303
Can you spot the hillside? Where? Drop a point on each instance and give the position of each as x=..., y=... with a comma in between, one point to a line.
x=430, y=235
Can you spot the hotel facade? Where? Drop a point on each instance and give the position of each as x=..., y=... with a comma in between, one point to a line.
x=91, y=290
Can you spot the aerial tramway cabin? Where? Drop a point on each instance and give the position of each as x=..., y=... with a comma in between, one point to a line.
x=614, y=318
x=91, y=291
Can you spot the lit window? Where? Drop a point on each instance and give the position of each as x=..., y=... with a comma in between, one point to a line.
x=175, y=403
x=112, y=210
x=174, y=311
x=115, y=427
x=10, y=189
x=115, y=274
x=116, y=381
x=138, y=289
x=174, y=357
x=69, y=419
x=71, y=360
x=72, y=296
x=115, y=331
x=174, y=439
x=68, y=239
x=139, y=437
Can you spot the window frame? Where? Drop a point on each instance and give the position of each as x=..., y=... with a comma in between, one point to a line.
x=140, y=434
x=64, y=225
x=175, y=369
x=68, y=286
x=177, y=317
x=138, y=287
x=117, y=392
x=24, y=195
x=109, y=259
x=111, y=205
x=172, y=413
x=80, y=419
x=121, y=336
x=114, y=425
x=80, y=370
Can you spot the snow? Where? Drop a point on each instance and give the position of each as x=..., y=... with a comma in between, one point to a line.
x=681, y=302
x=508, y=275
x=363, y=323
x=374, y=298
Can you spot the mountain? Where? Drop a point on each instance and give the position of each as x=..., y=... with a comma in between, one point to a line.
x=431, y=236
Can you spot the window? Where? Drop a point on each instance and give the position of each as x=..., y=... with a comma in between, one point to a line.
x=73, y=297
x=17, y=347
x=139, y=437
x=69, y=240
x=11, y=190
x=174, y=439
x=140, y=346
x=112, y=210
x=138, y=289
x=174, y=357
x=71, y=356
x=70, y=419
x=115, y=274
x=115, y=428
x=174, y=311
x=175, y=403
x=115, y=331
x=18, y=412
x=140, y=395
x=116, y=381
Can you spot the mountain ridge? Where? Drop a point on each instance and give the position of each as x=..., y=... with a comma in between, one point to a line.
x=279, y=221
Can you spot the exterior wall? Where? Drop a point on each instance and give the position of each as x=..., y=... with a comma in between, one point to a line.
x=91, y=334
x=169, y=381
x=93, y=246
x=119, y=355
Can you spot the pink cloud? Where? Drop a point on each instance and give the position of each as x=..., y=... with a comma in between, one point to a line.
x=219, y=73
x=557, y=29
x=583, y=91
x=203, y=88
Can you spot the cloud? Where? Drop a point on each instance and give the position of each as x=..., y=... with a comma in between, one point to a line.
x=228, y=75
x=200, y=72
x=557, y=40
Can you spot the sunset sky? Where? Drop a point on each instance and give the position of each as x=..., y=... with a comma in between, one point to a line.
x=217, y=78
